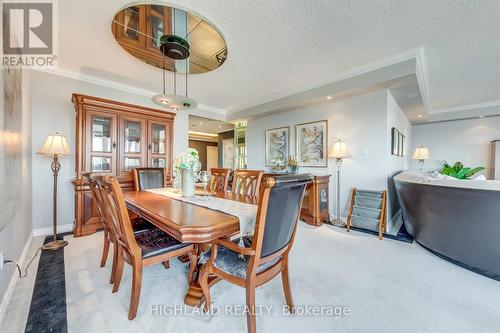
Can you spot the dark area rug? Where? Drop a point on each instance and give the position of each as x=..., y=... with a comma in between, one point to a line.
x=48, y=302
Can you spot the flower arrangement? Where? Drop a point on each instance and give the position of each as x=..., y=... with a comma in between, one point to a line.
x=279, y=164
x=188, y=160
x=293, y=164
x=279, y=161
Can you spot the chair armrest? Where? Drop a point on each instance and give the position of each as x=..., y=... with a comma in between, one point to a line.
x=234, y=247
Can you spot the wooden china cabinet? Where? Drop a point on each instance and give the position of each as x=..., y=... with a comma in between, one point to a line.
x=112, y=138
x=316, y=201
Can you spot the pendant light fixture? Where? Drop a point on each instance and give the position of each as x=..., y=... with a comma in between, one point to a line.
x=175, y=48
x=162, y=99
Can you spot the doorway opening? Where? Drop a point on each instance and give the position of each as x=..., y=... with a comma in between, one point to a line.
x=216, y=143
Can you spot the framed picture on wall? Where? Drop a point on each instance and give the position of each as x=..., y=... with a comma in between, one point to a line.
x=397, y=143
x=401, y=145
x=312, y=144
x=277, y=145
x=394, y=141
x=228, y=153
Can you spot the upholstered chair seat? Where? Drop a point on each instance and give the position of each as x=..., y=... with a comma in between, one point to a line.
x=232, y=263
x=154, y=242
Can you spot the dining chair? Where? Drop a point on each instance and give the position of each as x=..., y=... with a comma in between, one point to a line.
x=138, y=224
x=219, y=180
x=266, y=252
x=139, y=250
x=247, y=182
x=147, y=178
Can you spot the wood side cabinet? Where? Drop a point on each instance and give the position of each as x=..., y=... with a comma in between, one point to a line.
x=112, y=138
x=316, y=201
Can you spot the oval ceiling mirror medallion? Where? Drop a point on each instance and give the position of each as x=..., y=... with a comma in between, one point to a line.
x=139, y=30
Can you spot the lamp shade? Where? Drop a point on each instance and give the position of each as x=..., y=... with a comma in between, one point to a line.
x=55, y=144
x=421, y=153
x=339, y=150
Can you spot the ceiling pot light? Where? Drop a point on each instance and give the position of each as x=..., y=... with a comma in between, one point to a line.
x=481, y=116
x=420, y=116
x=329, y=97
x=160, y=99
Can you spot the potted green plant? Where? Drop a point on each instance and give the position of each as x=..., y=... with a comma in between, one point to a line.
x=459, y=171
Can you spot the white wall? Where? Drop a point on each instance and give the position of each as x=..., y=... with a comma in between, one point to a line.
x=16, y=233
x=396, y=164
x=53, y=111
x=463, y=140
x=361, y=121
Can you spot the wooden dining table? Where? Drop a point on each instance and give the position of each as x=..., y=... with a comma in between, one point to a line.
x=187, y=222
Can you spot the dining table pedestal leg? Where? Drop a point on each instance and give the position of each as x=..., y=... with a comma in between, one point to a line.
x=194, y=296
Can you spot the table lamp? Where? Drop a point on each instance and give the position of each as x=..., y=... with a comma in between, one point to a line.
x=55, y=146
x=421, y=154
x=338, y=151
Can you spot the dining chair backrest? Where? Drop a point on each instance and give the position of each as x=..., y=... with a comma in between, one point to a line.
x=219, y=180
x=97, y=197
x=247, y=182
x=147, y=178
x=116, y=210
x=279, y=210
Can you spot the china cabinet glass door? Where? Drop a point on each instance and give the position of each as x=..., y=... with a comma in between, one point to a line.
x=159, y=145
x=158, y=21
x=132, y=144
x=101, y=147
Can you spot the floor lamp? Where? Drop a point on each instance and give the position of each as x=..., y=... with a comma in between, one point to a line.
x=338, y=151
x=55, y=146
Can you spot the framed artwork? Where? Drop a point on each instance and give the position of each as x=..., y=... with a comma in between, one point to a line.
x=397, y=143
x=312, y=144
x=228, y=153
x=11, y=149
x=277, y=145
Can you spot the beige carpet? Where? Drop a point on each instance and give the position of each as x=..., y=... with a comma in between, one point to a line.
x=387, y=286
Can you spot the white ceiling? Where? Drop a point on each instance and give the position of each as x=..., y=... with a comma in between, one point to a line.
x=277, y=48
x=209, y=126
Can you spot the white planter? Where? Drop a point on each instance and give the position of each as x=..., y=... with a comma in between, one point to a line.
x=188, y=183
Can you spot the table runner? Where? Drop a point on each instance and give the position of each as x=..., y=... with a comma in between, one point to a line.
x=246, y=213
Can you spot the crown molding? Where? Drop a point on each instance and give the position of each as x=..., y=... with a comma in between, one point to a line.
x=416, y=54
x=421, y=72
x=467, y=107
x=118, y=86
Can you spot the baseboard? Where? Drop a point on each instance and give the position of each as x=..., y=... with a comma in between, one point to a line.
x=9, y=293
x=48, y=231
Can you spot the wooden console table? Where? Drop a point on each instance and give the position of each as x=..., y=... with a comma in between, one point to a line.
x=316, y=201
